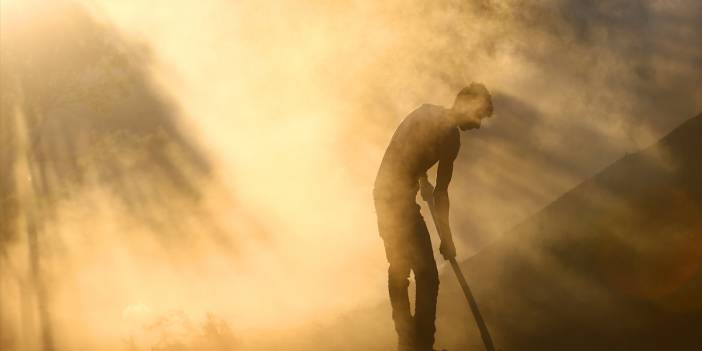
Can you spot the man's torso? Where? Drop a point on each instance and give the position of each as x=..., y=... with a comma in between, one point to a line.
x=418, y=144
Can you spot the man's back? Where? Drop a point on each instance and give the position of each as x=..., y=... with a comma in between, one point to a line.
x=418, y=143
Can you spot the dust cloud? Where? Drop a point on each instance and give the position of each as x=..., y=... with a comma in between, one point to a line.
x=198, y=175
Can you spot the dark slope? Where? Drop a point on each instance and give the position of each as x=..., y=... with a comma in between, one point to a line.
x=616, y=263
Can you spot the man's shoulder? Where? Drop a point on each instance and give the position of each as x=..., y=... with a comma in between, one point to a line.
x=428, y=109
x=425, y=114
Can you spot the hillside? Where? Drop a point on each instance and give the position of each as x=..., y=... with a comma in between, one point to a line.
x=615, y=263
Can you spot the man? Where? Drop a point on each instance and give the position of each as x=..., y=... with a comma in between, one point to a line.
x=428, y=135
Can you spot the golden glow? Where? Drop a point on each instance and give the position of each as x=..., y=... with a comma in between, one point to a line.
x=289, y=104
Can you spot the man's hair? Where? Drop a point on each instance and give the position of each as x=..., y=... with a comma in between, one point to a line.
x=476, y=90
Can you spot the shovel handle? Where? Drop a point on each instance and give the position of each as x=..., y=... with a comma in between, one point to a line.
x=484, y=333
x=426, y=191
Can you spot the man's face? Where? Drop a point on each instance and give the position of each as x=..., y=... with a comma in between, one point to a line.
x=469, y=113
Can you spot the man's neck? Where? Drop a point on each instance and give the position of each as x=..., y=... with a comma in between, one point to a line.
x=449, y=116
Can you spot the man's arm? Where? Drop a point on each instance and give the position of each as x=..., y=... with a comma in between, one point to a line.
x=441, y=200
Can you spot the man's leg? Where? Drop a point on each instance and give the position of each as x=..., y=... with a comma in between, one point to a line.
x=427, y=278
x=398, y=282
x=396, y=227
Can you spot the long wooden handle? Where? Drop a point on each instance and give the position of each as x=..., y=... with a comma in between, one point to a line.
x=484, y=333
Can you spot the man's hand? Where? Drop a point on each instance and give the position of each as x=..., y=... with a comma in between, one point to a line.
x=426, y=189
x=447, y=249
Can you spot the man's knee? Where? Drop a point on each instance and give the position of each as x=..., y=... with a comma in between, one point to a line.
x=427, y=276
x=398, y=275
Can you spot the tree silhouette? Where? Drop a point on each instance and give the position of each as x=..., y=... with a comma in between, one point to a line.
x=80, y=109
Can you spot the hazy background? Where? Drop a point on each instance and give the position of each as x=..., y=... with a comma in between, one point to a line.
x=192, y=168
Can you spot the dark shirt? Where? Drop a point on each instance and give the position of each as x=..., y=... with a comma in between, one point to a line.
x=424, y=137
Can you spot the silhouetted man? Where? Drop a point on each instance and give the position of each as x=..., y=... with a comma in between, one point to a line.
x=427, y=136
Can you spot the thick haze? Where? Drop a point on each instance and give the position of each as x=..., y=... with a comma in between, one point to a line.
x=257, y=207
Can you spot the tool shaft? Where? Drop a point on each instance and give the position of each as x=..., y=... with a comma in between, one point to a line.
x=484, y=333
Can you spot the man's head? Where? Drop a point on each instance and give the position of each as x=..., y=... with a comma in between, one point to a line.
x=473, y=103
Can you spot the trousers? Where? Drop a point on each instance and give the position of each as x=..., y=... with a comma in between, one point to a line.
x=408, y=249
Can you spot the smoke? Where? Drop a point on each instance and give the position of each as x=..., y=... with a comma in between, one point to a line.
x=227, y=164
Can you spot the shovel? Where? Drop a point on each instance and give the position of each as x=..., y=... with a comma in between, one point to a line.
x=427, y=193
